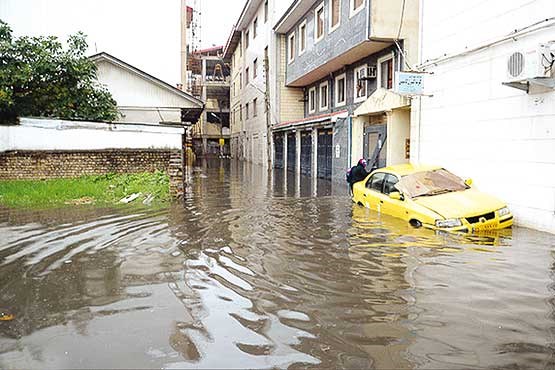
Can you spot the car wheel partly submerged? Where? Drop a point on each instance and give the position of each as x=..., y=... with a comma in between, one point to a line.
x=415, y=223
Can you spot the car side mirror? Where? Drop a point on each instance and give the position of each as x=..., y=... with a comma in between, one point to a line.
x=396, y=195
x=469, y=182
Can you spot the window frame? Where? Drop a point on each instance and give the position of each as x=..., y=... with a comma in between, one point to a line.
x=387, y=175
x=247, y=78
x=332, y=27
x=356, y=98
x=313, y=102
x=265, y=11
x=254, y=108
x=254, y=28
x=353, y=12
x=379, y=71
x=321, y=96
x=369, y=181
x=302, y=48
x=322, y=8
x=247, y=34
x=254, y=68
x=246, y=111
x=336, y=86
x=291, y=44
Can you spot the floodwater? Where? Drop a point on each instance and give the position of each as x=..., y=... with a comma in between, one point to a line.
x=268, y=271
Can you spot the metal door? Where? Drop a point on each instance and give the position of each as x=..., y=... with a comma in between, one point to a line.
x=278, y=151
x=306, y=153
x=325, y=144
x=291, y=151
x=375, y=146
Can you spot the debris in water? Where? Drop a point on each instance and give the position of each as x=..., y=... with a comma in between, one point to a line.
x=148, y=200
x=5, y=315
x=130, y=198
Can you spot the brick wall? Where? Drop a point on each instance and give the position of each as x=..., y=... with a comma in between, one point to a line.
x=30, y=165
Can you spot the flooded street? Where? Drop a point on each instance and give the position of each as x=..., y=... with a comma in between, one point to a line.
x=265, y=271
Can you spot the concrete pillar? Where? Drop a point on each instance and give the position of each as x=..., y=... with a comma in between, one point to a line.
x=175, y=172
x=298, y=152
x=314, y=170
x=204, y=146
x=285, y=150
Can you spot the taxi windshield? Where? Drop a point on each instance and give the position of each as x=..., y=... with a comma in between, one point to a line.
x=428, y=183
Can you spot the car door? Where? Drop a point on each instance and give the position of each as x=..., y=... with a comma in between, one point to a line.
x=390, y=206
x=373, y=191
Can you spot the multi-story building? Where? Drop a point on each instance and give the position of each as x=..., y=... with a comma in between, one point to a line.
x=259, y=98
x=209, y=81
x=343, y=55
x=492, y=105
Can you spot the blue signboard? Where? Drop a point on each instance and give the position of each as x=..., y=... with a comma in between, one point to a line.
x=410, y=83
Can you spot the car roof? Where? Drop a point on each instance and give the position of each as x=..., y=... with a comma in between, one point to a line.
x=408, y=169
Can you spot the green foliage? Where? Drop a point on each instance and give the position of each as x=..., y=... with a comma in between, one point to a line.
x=100, y=190
x=38, y=78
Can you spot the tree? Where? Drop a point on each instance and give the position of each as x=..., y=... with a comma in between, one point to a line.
x=39, y=78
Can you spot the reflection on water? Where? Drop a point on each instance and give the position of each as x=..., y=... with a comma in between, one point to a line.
x=262, y=270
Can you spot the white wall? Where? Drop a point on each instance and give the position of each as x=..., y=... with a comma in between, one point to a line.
x=42, y=134
x=501, y=137
x=131, y=90
x=144, y=33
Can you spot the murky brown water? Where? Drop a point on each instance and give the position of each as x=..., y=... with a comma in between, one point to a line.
x=263, y=272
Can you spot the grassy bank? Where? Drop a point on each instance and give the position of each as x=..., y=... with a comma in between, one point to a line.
x=100, y=190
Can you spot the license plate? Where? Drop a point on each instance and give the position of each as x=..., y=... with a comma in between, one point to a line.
x=492, y=225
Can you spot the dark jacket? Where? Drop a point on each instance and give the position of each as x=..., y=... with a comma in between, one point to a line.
x=358, y=173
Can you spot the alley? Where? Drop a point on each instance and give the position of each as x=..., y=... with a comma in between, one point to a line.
x=263, y=269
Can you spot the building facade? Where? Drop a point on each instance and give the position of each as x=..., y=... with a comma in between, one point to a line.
x=259, y=98
x=209, y=81
x=343, y=55
x=493, y=105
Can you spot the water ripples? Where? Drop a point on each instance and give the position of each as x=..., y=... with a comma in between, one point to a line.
x=251, y=273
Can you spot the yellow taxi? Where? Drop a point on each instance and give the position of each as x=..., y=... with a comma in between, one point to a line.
x=431, y=197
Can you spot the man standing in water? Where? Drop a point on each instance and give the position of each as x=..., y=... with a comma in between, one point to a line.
x=357, y=173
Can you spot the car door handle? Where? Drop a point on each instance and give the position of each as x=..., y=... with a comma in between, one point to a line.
x=381, y=201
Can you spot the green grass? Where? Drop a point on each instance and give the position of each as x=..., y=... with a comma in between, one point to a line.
x=100, y=190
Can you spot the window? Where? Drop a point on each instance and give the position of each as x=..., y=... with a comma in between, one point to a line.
x=389, y=184
x=254, y=68
x=266, y=61
x=240, y=49
x=324, y=96
x=312, y=100
x=360, y=83
x=240, y=81
x=265, y=11
x=385, y=72
x=376, y=182
x=335, y=14
x=302, y=38
x=241, y=113
x=319, y=23
x=291, y=47
x=356, y=6
x=246, y=76
x=254, y=28
x=246, y=40
x=254, y=107
x=340, y=89
x=247, y=111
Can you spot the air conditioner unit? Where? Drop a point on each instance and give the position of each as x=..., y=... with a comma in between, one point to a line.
x=535, y=64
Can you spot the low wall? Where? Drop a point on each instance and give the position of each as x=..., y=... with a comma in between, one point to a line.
x=47, y=149
x=31, y=165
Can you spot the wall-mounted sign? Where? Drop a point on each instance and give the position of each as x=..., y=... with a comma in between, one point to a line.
x=338, y=151
x=410, y=83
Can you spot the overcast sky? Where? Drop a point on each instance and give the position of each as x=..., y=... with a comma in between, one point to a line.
x=144, y=33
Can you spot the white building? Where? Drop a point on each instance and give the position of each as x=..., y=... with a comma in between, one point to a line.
x=143, y=98
x=480, y=123
x=256, y=96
